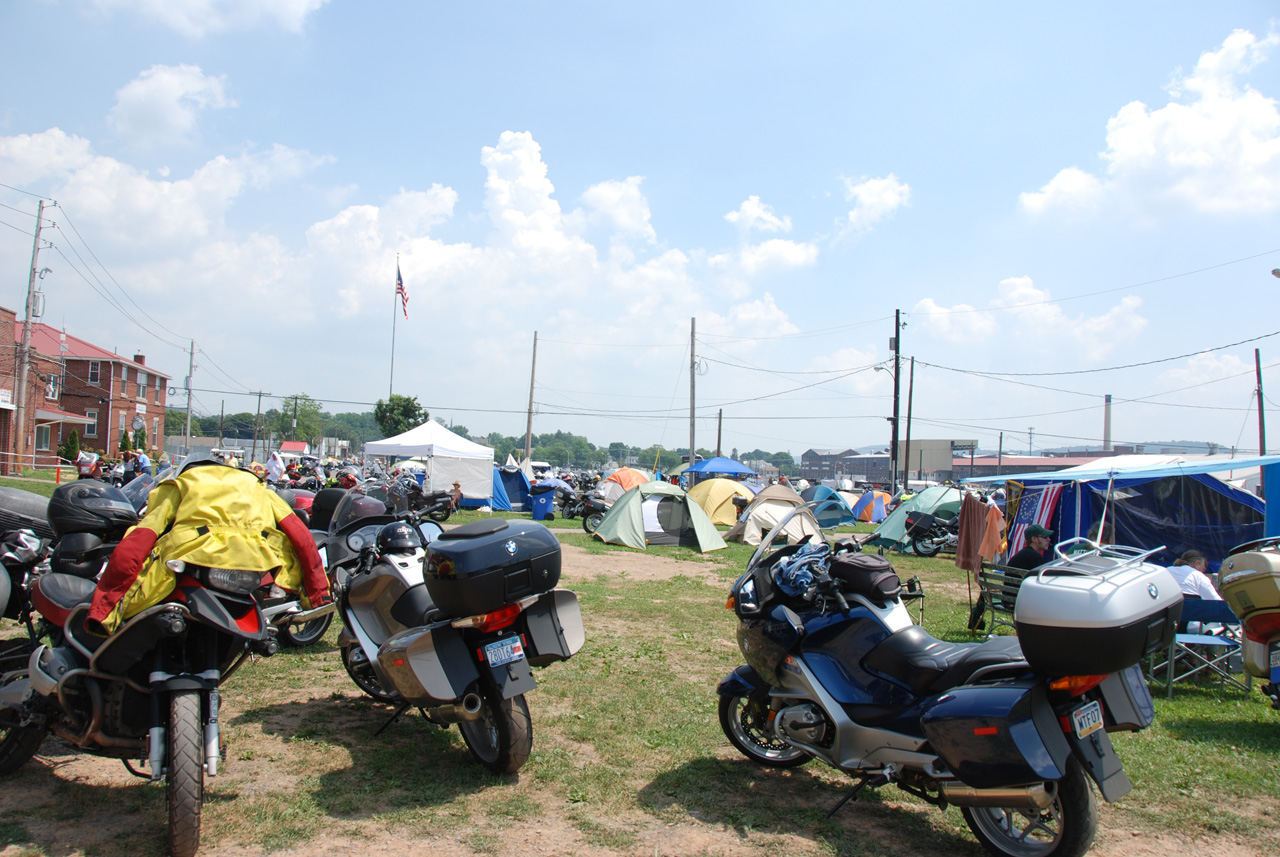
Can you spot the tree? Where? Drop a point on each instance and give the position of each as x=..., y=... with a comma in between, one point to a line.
x=125, y=445
x=399, y=414
x=71, y=449
x=310, y=420
x=140, y=439
x=175, y=422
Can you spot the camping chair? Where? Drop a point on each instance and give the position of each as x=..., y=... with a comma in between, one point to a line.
x=1207, y=654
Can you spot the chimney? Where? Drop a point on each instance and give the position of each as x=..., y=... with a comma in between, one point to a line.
x=142, y=360
x=1106, y=425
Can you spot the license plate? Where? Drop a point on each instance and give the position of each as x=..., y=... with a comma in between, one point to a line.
x=1275, y=657
x=1087, y=719
x=503, y=651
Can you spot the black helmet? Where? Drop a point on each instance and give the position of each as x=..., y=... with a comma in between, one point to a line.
x=397, y=537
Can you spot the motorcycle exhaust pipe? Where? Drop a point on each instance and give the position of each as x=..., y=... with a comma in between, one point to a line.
x=468, y=709
x=308, y=615
x=1026, y=797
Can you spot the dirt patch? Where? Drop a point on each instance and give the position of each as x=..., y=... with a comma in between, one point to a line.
x=579, y=564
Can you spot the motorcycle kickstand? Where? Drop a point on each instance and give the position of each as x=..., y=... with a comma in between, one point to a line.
x=394, y=717
x=875, y=783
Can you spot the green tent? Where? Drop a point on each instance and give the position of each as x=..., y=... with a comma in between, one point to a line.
x=658, y=513
x=941, y=500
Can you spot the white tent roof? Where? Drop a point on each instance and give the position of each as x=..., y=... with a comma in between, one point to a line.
x=429, y=439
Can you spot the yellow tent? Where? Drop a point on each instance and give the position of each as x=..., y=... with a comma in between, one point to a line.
x=715, y=496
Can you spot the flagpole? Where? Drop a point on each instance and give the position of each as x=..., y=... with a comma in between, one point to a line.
x=395, y=297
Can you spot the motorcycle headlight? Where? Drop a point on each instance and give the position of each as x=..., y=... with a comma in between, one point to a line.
x=233, y=580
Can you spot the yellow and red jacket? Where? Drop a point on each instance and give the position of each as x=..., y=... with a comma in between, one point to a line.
x=215, y=516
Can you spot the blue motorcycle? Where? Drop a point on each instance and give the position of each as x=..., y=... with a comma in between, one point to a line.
x=836, y=670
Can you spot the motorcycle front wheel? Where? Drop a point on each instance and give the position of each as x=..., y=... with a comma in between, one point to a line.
x=746, y=724
x=306, y=633
x=502, y=738
x=361, y=672
x=592, y=521
x=1065, y=829
x=926, y=546
x=185, y=777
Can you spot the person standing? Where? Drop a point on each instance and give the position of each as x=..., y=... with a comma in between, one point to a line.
x=141, y=464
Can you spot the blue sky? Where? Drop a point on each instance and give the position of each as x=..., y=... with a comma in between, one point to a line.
x=1038, y=188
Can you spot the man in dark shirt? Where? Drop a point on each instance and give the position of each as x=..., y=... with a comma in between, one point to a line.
x=1036, y=553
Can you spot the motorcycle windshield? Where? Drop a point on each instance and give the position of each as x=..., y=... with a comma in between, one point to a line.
x=354, y=506
x=825, y=514
x=138, y=490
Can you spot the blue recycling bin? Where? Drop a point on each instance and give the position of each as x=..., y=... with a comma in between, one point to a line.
x=542, y=499
x=419, y=477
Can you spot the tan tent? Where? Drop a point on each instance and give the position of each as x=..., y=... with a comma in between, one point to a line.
x=771, y=506
x=715, y=496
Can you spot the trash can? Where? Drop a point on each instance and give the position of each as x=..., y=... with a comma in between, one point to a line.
x=419, y=477
x=542, y=499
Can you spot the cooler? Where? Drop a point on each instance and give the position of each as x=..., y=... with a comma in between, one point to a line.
x=1096, y=613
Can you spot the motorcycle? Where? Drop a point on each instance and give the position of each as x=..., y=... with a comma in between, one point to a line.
x=1010, y=730
x=149, y=691
x=930, y=534
x=1249, y=580
x=438, y=505
x=594, y=508
x=452, y=622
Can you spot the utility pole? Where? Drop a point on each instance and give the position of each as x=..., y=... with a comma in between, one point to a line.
x=191, y=371
x=1262, y=423
x=897, y=365
x=528, y=429
x=24, y=352
x=256, y=419
x=222, y=415
x=1031, y=433
x=293, y=433
x=1000, y=455
x=693, y=371
x=906, y=470
x=719, y=429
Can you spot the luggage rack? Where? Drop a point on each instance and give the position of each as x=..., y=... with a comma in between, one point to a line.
x=1086, y=561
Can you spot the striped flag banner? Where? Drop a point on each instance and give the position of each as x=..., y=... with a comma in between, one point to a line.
x=402, y=292
x=1036, y=506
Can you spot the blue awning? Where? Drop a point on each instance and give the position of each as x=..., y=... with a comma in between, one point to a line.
x=1099, y=470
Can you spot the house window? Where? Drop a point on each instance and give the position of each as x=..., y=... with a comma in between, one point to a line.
x=51, y=387
x=42, y=438
x=122, y=418
x=91, y=430
x=142, y=385
x=124, y=373
x=95, y=372
x=155, y=432
x=159, y=388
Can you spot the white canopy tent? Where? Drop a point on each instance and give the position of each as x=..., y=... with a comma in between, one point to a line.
x=449, y=458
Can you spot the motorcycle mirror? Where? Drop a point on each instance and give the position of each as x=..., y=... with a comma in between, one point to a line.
x=793, y=619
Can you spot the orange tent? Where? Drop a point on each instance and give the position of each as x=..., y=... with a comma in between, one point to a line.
x=628, y=477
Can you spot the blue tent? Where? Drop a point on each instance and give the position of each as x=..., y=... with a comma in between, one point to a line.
x=720, y=467
x=832, y=504
x=499, y=502
x=516, y=485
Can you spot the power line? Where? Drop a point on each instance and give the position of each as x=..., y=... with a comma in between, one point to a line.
x=19, y=210
x=18, y=229
x=20, y=190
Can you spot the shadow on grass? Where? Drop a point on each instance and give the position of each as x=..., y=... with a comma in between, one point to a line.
x=750, y=798
x=412, y=764
x=1260, y=737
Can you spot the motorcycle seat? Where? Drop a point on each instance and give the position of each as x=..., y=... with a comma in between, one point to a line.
x=55, y=595
x=929, y=665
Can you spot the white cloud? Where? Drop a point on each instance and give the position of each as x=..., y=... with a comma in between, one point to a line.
x=1215, y=147
x=197, y=18
x=777, y=254
x=621, y=205
x=874, y=200
x=959, y=323
x=755, y=215
x=162, y=104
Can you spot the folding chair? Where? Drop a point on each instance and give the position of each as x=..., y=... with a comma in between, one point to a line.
x=1200, y=653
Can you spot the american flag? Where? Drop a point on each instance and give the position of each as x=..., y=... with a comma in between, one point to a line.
x=402, y=292
x=1035, y=507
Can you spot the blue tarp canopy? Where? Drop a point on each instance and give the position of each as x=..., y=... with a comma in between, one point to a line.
x=499, y=502
x=1099, y=470
x=720, y=467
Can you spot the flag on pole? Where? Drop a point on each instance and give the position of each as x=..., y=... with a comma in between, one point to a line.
x=1034, y=507
x=402, y=292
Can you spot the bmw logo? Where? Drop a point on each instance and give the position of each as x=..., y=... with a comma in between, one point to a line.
x=511, y=548
x=1152, y=591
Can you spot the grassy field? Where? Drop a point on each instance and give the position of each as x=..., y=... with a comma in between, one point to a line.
x=627, y=749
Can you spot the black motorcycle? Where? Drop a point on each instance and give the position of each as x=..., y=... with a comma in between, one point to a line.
x=594, y=508
x=930, y=534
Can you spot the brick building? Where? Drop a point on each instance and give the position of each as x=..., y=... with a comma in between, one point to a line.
x=74, y=384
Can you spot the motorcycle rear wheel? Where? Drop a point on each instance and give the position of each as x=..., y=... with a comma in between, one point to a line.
x=305, y=634
x=1065, y=829
x=361, y=672
x=17, y=743
x=502, y=738
x=744, y=721
x=440, y=514
x=592, y=521
x=185, y=777
x=926, y=546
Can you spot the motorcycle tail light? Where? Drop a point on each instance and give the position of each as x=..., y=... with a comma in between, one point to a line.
x=1077, y=684
x=500, y=618
x=1260, y=629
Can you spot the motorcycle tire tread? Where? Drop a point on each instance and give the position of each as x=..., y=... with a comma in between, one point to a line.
x=514, y=729
x=1079, y=817
x=306, y=634
x=185, y=777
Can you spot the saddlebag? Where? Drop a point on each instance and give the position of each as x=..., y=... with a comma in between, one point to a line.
x=866, y=574
x=428, y=665
x=997, y=735
x=479, y=567
x=552, y=628
x=1096, y=614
